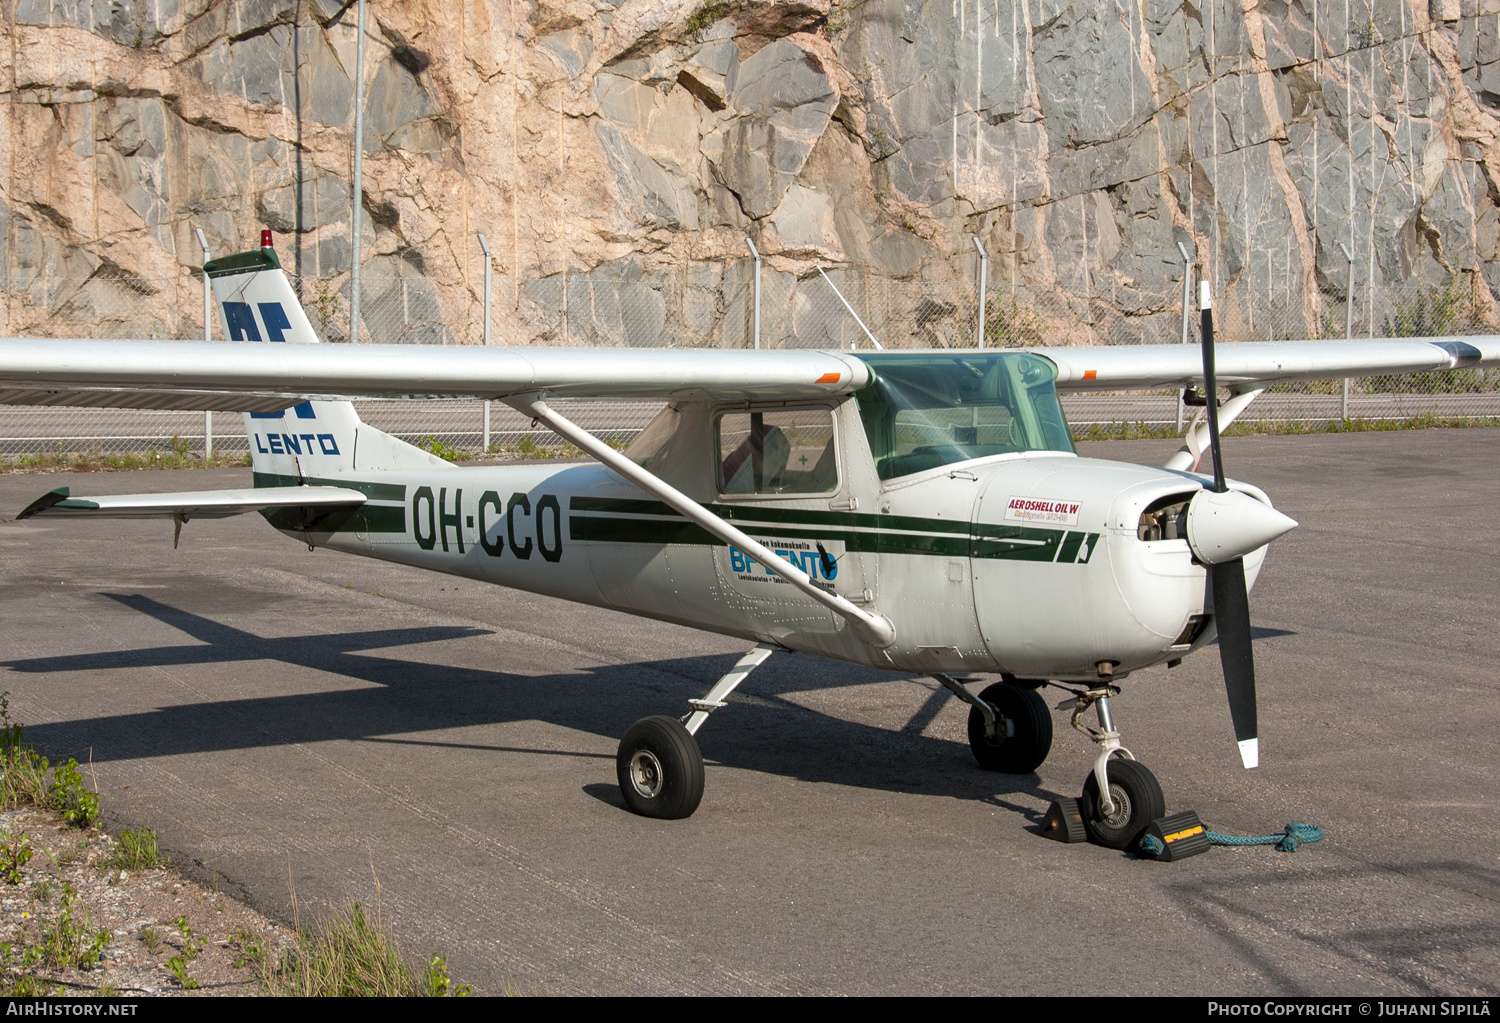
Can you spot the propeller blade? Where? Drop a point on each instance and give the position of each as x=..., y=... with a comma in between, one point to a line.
x=1232, y=616
x=1210, y=384
x=1231, y=601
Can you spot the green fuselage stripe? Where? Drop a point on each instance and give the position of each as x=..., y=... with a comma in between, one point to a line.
x=367, y=518
x=1013, y=543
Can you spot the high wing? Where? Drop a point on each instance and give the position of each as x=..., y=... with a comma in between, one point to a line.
x=1127, y=367
x=204, y=504
x=215, y=376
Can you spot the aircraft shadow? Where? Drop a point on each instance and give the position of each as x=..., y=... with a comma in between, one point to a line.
x=405, y=698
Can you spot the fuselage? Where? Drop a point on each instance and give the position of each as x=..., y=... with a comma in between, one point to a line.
x=1037, y=564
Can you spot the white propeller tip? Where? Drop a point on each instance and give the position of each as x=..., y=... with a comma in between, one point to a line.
x=1250, y=752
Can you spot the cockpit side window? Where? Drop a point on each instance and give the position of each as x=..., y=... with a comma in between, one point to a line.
x=777, y=451
x=925, y=411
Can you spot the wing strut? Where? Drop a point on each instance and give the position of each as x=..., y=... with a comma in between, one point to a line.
x=1197, y=440
x=875, y=629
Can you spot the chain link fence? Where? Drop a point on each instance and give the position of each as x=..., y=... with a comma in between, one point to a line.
x=713, y=305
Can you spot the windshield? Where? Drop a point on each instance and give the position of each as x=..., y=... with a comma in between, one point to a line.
x=923, y=411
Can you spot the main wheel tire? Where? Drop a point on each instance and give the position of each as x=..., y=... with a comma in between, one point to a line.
x=1137, y=798
x=1024, y=730
x=660, y=769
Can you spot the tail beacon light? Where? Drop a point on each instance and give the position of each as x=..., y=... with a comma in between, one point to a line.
x=265, y=238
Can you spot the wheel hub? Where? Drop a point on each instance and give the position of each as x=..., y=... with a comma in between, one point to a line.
x=646, y=773
x=1121, y=817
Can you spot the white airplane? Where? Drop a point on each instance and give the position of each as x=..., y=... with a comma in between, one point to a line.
x=918, y=511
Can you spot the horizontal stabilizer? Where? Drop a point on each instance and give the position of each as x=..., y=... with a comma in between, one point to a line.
x=202, y=504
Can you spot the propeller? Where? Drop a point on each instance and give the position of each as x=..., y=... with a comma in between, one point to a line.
x=1223, y=526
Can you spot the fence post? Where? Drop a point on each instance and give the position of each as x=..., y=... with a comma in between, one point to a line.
x=208, y=335
x=358, y=189
x=487, y=266
x=984, y=283
x=1348, y=320
x=755, y=316
x=1187, y=297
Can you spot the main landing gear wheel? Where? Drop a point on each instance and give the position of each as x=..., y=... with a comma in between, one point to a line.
x=660, y=769
x=1137, y=798
x=1023, y=730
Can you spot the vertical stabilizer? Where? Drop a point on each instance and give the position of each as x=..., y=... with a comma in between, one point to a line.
x=316, y=438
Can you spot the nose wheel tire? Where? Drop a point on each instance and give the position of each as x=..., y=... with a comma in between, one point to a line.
x=1138, y=801
x=660, y=769
x=1023, y=733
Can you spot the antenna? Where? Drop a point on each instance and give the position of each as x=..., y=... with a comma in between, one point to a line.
x=878, y=346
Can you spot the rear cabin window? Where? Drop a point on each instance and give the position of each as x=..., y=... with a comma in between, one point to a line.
x=780, y=451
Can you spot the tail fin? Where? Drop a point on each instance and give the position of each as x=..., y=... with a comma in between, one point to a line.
x=316, y=438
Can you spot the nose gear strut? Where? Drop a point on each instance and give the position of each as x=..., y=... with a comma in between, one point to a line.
x=1106, y=735
x=1116, y=806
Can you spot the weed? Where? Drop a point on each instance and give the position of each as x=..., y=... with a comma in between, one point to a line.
x=23, y=772
x=65, y=941
x=25, y=779
x=881, y=143
x=135, y=850
x=326, y=303
x=707, y=13
x=15, y=982
x=446, y=452
x=179, y=446
x=178, y=965
x=250, y=946
x=15, y=851
x=191, y=946
x=436, y=983
x=11, y=732
x=150, y=937
x=348, y=955
x=42, y=890
x=71, y=797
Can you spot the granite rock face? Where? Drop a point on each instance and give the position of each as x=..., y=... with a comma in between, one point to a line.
x=616, y=153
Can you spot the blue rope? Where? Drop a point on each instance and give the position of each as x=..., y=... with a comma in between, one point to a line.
x=1288, y=841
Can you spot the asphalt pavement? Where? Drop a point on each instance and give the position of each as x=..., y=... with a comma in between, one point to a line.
x=288, y=719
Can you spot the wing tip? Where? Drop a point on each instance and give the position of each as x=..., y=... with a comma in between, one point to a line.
x=42, y=503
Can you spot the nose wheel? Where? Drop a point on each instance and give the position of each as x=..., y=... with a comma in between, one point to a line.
x=1135, y=799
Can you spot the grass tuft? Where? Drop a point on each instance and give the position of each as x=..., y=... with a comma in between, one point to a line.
x=175, y=457
x=348, y=955
x=135, y=850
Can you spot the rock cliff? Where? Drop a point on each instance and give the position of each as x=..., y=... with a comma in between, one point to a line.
x=616, y=153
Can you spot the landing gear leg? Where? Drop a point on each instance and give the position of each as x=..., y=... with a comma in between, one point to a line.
x=1010, y=728
x=659, y=765
x=1120, y=796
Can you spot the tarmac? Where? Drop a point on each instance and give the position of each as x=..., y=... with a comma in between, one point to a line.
x=343, y=729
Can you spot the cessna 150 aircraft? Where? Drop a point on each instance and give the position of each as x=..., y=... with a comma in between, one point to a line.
x=921, y=511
